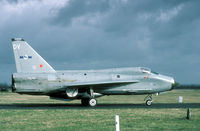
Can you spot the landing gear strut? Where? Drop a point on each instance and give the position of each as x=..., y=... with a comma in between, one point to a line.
x=149, y=99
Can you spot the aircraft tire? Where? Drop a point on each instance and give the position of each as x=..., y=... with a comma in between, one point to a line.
x=84, y=102
x=148, y=102
x=92, y=102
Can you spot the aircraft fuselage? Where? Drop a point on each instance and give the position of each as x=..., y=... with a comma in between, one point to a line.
x=136, y=81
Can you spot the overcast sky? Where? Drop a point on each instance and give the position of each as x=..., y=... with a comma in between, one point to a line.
x=163, y=35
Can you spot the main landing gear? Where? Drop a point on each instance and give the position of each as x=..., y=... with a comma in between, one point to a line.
x=91, y=101
x=149, y=99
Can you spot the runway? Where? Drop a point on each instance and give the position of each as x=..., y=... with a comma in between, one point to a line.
x=100, y=106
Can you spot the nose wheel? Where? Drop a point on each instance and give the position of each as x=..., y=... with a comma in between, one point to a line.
x=149, y=100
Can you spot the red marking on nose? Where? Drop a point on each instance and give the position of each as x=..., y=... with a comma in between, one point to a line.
x=146, y=77
x=41, y=65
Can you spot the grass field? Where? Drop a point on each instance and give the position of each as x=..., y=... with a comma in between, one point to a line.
x=24, y=112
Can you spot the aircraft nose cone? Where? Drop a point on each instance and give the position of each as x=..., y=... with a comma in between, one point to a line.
x=169, y=80
x=172, y=81
x=175, y=84
x=166, y=78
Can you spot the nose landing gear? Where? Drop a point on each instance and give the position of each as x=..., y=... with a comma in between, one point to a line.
x=149, y=99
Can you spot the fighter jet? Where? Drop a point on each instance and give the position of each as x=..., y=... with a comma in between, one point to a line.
x=36, y=77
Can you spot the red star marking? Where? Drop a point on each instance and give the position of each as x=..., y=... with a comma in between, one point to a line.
x=41, y=65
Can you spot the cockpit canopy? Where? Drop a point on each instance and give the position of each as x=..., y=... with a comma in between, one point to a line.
x=148, y=71
x=145, y=70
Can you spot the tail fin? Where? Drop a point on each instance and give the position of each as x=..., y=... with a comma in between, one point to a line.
x=27, y=59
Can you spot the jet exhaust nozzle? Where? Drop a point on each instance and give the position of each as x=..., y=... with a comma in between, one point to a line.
x=13, y=84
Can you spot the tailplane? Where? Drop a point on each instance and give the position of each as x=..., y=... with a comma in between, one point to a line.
x=27, y=59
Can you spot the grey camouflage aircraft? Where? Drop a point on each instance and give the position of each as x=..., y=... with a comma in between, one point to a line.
x=36, y=77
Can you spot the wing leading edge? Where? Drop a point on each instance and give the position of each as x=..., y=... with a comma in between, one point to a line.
x=94, y=85
x=101, y=84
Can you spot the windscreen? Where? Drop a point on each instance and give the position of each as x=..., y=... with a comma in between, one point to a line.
x=153, y=72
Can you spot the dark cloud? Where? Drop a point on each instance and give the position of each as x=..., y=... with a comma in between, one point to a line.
x=12, y=1
x=78, y=8
x=88, y=34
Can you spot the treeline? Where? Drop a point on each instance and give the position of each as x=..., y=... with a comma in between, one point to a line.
x=5, y=87
x=193, y=87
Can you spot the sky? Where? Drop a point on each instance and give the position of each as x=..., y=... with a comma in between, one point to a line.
x=163, y=35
